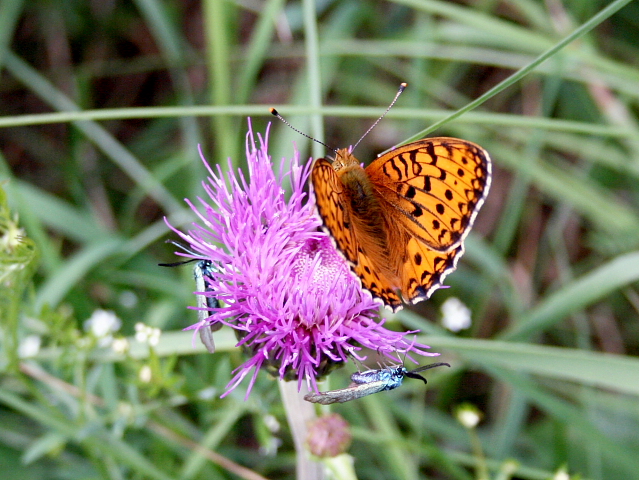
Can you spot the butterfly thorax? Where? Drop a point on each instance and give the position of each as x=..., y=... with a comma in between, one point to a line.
x=367, y=217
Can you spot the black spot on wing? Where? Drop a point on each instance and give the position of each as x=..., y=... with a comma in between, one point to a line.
x=430, y=150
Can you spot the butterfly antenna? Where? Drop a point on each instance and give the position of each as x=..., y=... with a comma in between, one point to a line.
x=275, y=113
x=402, y=86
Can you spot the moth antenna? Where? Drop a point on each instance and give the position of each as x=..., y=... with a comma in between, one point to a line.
x=427, y=367
x=177, y=264
x=416, y=376
x=402, y=86
x=183, y=262
x=275, y=113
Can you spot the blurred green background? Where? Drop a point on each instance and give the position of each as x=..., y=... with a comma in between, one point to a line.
x=102, y=107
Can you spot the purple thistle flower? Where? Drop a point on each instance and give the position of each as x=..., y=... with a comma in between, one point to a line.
x=290, y=296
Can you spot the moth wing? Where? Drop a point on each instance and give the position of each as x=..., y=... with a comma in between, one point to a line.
x=352, y=392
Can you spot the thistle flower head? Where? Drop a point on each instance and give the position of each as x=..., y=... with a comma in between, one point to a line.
x=290, y=296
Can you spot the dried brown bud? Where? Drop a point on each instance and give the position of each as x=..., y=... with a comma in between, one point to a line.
x=329, y=436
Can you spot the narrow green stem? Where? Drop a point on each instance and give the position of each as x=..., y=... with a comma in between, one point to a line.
x=217, y=20
x=298, y=413
x=582, y=30
x=311, y=43
x=481, y=466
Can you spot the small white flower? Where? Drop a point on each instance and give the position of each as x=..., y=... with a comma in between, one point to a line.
x=12, y=236
x=125, y=409
x=29, y=346
x=561, y=474
x=120, y=345
x=271, y=423
x=102, y=323
x=455, y=315
x=140, y=332
x=146, y=334
x=128, y=299
x=154, y=336
x=468, y=415
x=207, y=393
x=145, y=374
x=270, y=449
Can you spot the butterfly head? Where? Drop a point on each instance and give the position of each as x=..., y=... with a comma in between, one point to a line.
x=344, y=158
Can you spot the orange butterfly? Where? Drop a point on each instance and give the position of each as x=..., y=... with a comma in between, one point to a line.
x=401, y=221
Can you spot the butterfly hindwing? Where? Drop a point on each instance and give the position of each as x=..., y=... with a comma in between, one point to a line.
x=425, y=269
x=375, y=283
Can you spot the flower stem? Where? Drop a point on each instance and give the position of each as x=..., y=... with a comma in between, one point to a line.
x=481, y=469
x=298, y=414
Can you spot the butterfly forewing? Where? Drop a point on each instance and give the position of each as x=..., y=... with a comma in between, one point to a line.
x=436, y=186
